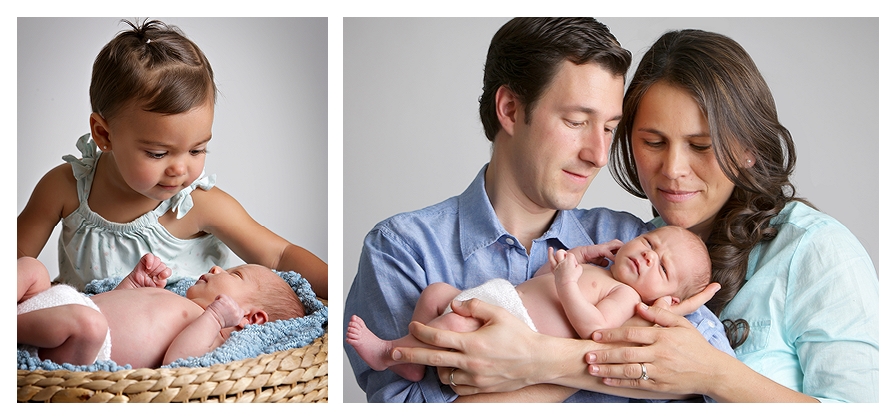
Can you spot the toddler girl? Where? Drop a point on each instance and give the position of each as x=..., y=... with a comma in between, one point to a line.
x=152, y=95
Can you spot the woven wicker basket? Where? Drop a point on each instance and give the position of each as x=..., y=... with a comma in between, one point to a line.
x=294, y=375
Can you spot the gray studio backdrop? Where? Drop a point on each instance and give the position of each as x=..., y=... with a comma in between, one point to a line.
x=412, y=135
x=269, y=147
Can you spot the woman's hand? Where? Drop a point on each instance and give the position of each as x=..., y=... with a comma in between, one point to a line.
x=484, y=360
x=677, y=358
x=691, y=304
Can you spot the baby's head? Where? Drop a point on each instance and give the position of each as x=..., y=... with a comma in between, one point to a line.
x=253, y=287
x=668, y=261
x=153, y=65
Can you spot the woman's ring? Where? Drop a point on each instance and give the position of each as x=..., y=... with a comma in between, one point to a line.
x=643, y=377
x=451, y=377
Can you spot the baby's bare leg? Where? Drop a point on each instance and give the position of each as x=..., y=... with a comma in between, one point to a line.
x=33, y=278
x=377, y=353
x=64, y=334
x=433, y=301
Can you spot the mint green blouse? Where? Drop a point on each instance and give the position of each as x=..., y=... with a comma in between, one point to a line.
x=811, y=298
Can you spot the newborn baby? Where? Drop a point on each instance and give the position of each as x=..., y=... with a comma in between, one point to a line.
x=149, y=326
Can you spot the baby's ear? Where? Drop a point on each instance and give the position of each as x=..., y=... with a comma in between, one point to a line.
x=256, y=316
x=675, y=300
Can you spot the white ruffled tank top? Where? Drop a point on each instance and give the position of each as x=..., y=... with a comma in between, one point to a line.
x=91, y=247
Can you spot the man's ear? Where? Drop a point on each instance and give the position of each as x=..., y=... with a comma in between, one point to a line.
x=99, y=130
x=508, y=107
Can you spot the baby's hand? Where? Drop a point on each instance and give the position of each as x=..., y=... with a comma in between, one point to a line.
x=600, y=254
x=149, y=272
x=555, y=257
x=566, y=268
x=226, y=311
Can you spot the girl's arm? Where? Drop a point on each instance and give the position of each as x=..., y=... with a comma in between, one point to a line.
x=205, y=333
x=222, y=216
x=54, y=197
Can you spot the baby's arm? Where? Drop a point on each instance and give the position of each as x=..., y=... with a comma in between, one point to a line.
x=585, y=316
x=149, y=272
x=205, y=333
x=600, y=254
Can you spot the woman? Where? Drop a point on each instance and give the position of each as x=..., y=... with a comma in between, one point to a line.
x=701, y=140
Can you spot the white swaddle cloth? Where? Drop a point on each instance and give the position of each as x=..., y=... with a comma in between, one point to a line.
x=498, y=292
x=58, y=295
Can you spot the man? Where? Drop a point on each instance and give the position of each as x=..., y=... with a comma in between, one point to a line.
x=552, y=96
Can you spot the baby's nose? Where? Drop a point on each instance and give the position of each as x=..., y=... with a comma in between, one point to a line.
x=215, y=270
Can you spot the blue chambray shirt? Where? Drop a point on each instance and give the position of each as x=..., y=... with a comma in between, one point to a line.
x=461, y=242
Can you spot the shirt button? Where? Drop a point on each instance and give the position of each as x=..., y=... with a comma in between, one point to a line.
x=509, y=241
x=712, y=324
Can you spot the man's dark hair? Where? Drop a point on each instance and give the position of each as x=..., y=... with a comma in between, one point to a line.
x=526, y=52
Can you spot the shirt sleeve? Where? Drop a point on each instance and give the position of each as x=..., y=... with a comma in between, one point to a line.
x=384, y=292
x=832, y=316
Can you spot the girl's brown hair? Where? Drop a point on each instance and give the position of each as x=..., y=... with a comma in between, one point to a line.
x=154, y=65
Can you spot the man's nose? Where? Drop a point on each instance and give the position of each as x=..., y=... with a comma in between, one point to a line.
x=596, y=147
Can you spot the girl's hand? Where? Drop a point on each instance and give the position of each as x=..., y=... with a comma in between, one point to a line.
x=484, y=360
x=677, y=358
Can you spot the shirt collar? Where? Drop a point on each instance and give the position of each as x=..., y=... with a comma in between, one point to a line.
x=480, y=227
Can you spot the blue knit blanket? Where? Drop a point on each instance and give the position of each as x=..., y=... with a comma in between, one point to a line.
x=247, y=343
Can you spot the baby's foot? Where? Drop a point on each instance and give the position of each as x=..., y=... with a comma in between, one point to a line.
x=149, y=272
x=376, y=352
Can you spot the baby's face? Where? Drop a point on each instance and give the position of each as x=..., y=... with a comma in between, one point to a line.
x=240, y=283
x=653, y=264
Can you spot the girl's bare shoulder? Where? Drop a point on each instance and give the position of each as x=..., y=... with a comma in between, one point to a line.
x=57, y=189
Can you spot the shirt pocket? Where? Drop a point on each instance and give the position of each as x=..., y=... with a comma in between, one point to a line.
x=757, y=339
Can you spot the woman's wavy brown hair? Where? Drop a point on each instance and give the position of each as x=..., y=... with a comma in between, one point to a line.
x=740, y=110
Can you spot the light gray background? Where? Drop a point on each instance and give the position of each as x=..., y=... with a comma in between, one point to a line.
x=412, y=135
x=269, y=137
